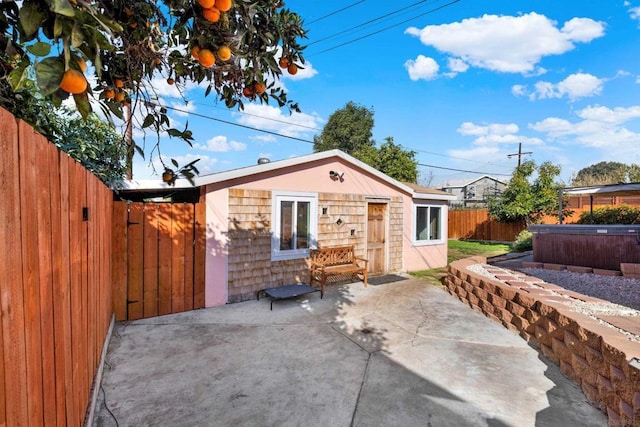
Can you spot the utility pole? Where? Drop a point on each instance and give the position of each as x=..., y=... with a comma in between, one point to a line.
x=519, y=153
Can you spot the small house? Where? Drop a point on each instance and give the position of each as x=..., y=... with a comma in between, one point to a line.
x=263, y=220
x=474, y=193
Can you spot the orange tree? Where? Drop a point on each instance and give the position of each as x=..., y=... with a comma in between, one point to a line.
x=234, y=48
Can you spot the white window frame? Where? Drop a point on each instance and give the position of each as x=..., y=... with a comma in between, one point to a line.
x=414, y=224
x=292, y=196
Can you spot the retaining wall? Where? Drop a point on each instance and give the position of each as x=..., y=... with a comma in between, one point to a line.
x=604, y=361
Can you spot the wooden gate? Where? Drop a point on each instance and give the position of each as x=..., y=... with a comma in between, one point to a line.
x=158, y=258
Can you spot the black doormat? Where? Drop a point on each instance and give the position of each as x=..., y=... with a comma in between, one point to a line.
x=387, y=278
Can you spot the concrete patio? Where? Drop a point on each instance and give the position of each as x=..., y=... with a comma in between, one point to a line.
x=400, y=353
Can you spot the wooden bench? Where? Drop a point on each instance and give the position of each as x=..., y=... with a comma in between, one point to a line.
x=335, y=261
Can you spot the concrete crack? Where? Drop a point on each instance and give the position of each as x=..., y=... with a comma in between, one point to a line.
x=364, y=379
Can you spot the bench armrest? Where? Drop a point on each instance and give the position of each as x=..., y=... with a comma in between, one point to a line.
x=364, y=260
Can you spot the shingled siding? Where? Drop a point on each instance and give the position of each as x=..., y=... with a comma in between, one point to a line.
x=346, y=212
x=250, y=267
x=601, y=360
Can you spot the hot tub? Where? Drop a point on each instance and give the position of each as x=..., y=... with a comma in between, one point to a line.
x=596, y=246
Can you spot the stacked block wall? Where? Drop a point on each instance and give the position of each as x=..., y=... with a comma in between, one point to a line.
x=601, y=360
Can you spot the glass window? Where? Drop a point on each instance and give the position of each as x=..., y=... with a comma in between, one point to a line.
x=428, y=224
x=294, y=225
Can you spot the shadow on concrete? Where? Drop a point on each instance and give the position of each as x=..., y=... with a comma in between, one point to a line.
x=402, y=353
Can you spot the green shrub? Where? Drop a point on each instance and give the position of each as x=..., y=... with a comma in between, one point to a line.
x=523, y=242
x=622, y=214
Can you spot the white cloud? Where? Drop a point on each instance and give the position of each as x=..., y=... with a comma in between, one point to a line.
x=507, y=44
x=182, y=109
x=495, y=134
x=519, y=90
x=574, y=87
x=634, y=12
x=422, y=68
x=457, y=65
x=600, y=127
x=273, y=119
x=220, y=144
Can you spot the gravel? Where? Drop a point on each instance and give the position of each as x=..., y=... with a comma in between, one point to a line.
x=615, y=289
x=620, y=295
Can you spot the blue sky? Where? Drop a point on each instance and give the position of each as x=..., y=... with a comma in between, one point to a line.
x=462, y=86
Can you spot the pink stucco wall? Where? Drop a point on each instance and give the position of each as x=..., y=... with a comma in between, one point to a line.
x=308, y=177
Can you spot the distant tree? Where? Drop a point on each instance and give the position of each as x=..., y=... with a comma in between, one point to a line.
x=397, y=163
x=350, y=130
x=633, y=173
x=524, y=200
x=601, y=173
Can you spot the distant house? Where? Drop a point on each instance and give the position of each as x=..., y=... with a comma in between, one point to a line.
x=475, y=193
x=263, y=220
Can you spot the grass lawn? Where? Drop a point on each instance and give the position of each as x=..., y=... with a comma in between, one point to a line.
x=459, y=249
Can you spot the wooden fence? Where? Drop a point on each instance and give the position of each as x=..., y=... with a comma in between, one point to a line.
x=55, y=294
x=158, y=258
x=477, y=225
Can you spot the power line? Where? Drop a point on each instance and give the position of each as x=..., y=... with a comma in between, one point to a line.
x=388, y=28
x=295, y=138
x=462, y=170
x=371, y=21
x=229, y=122
x=336, y=12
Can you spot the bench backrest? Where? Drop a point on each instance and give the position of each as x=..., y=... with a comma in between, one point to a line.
x=335, y=255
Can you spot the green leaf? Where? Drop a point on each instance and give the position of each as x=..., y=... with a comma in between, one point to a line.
x=30, y=19
x=139, y=150
x=148, y=121
x=63, y=7
x=49, y=74
x=18, y=75
x=173, y=161
x=77, y=37
x=40, y=49
x=82, y=104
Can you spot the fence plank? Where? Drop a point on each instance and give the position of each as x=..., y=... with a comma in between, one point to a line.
x=75, y=275
x=119, y=260
x=188, y=220
x=30, y=272
x=177, y=257
x=150, y=260
x=11, y=297
x=135, y=293
x=199, y=254
x=60, y=277
x=45, y=238
x=165, y=248
x=66, y=287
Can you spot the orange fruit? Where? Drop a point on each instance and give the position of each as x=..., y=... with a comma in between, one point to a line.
x=247, y=91
x=109, y=93
x=284, y=62
x=195, y=50
x=170, y=81
x=119, y=96
x=206, y=4
x=128, y=11
x=211, y=15
x=292, y=69
x=206, y=58
x=82, y=64
x=224, y=53
x=73, y=81
x=223, y=5
x=259, y=87
x=118, y=83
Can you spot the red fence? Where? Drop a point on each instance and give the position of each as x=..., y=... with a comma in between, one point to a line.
x=55, y=274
